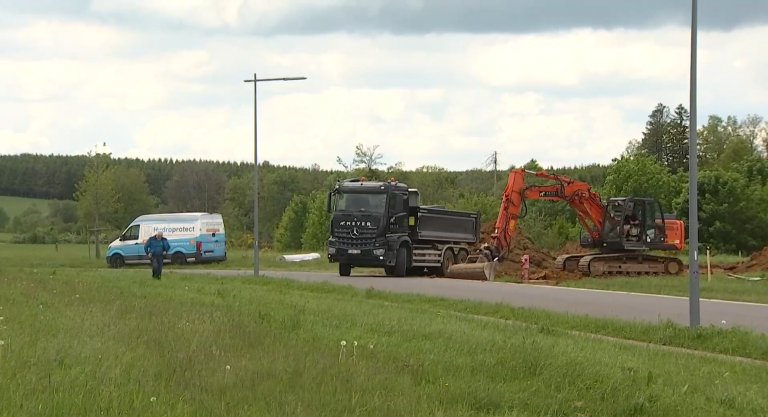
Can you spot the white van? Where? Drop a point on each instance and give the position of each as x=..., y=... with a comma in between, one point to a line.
x=197, y=237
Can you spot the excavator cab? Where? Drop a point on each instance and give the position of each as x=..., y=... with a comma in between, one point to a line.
x=633, y=223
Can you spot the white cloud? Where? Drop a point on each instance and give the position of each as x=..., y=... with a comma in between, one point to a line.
x=561, y=98
x=571, y=58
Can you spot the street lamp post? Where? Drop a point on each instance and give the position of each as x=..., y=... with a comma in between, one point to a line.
x=255, y=81
x=694, y=307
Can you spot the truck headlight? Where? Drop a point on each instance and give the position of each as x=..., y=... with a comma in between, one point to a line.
x=331, y=250
x=378, y=252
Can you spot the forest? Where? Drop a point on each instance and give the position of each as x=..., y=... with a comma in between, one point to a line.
x=99, y=191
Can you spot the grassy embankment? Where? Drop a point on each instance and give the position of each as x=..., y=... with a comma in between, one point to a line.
x=87, y=342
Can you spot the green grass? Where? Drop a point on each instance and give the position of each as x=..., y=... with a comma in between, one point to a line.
x=721, y=287
x=16, y=205
x=84, y=342
x=6, y=237
x=76, y=256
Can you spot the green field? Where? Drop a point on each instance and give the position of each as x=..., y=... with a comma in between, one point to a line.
x=85, y=342
x=77, y=256
x=16, y=205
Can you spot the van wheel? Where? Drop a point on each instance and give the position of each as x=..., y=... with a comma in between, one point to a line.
x=178, y=258
x=345, y=270
x=117, y=261
x=401, y=261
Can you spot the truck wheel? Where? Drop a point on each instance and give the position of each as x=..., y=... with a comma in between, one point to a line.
x=401, y=261
x=462, y=257
x=389, y=270
x=448, y=260
x=345, y=270
x=178, y=258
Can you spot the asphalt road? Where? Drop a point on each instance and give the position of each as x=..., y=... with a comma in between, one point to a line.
x=573, y=300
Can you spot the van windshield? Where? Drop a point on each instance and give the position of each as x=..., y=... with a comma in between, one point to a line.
x=372, y=202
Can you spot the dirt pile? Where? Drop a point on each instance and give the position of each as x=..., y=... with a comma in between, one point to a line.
x=541, y=262
x=571, y=247
x=757, y=262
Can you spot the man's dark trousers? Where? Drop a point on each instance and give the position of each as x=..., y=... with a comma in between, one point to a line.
x=157, y=266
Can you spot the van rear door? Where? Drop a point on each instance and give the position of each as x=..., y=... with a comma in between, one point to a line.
x=212, y=236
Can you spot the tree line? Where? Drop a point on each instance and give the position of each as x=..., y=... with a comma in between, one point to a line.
x=93, y=190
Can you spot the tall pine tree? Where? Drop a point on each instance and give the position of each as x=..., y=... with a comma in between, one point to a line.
x=654, y=141
x=677, y=140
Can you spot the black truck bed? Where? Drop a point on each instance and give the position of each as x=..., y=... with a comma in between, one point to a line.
x=440, y=224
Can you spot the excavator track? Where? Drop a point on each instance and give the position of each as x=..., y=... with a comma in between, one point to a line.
x=629, y=264
x=570, y=262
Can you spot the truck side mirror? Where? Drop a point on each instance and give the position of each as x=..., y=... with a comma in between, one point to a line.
x=328, y=202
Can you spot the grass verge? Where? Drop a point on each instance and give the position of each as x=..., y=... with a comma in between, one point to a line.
x=86, y=343
x=77, y=256
x=721, y=287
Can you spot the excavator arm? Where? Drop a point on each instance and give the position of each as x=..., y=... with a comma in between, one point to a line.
x=578, y=194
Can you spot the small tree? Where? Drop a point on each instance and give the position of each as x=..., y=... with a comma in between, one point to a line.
x=5, y=220
x=291, y=226
x=317, y=222
x=96, y=197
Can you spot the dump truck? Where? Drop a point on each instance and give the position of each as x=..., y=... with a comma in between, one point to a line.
x=381, y=224
x=622, y=232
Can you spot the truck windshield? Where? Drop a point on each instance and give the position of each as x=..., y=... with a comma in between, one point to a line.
x=376, y=203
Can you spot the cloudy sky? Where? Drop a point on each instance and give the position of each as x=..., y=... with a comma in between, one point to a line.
x=431, y=81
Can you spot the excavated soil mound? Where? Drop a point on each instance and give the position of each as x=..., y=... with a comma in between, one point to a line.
x=571, y=247
x=757, y=262
x=541, y=262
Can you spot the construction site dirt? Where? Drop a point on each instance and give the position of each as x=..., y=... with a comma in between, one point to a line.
x=757, y=262
x=541, y=262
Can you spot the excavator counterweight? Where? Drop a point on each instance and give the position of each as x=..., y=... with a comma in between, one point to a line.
x=622, y=232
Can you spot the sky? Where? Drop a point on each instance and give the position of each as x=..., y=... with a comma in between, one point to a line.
x=443, y=82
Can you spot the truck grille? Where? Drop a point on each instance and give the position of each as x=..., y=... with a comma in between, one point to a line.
x=366, y=237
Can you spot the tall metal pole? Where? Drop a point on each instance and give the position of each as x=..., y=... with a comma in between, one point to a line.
x=256, y=166
x=255, y=181
x=693, y=190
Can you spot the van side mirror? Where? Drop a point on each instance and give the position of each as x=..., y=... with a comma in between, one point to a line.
x=328, y=202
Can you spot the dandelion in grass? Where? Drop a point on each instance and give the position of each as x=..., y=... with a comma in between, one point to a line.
x=153, y=399
x=341, y=353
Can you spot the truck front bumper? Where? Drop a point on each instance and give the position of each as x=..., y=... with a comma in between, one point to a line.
x=373, y=257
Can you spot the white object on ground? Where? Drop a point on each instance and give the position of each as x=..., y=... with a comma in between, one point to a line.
x=298, y=258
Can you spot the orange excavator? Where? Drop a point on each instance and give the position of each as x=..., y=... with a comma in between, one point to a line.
x=621, y=232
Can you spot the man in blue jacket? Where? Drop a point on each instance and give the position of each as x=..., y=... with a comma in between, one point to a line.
x=156, y=248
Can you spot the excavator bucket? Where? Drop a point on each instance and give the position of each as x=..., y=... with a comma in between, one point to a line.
x=477, y=271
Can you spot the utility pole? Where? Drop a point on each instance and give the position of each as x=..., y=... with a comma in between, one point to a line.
x=255, y=81
x=694, y=306
x=492, y=162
